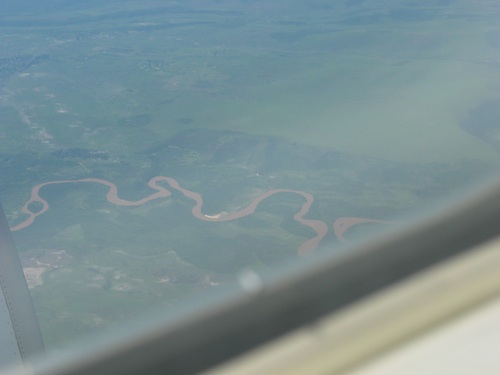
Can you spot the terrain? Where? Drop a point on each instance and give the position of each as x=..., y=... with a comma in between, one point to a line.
x=333, y=112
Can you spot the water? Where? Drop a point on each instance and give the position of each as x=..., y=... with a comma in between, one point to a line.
x=357, y=105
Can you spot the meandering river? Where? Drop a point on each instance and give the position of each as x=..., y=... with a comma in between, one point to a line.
x=340, y=226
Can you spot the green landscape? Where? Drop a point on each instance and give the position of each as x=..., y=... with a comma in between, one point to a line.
x=232, y=99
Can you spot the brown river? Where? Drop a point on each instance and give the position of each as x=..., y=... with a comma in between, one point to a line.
x=340, y=226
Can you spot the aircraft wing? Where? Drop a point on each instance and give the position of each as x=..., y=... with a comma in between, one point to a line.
x=20, y=336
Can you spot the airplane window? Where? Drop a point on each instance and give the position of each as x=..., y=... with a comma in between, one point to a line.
x=156, y=155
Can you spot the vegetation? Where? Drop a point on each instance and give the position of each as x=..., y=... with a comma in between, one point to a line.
x=357, y=105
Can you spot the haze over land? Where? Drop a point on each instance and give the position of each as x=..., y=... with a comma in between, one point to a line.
x=374, y=112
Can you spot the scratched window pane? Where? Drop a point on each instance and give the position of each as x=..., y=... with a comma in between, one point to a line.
x=152, y=152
